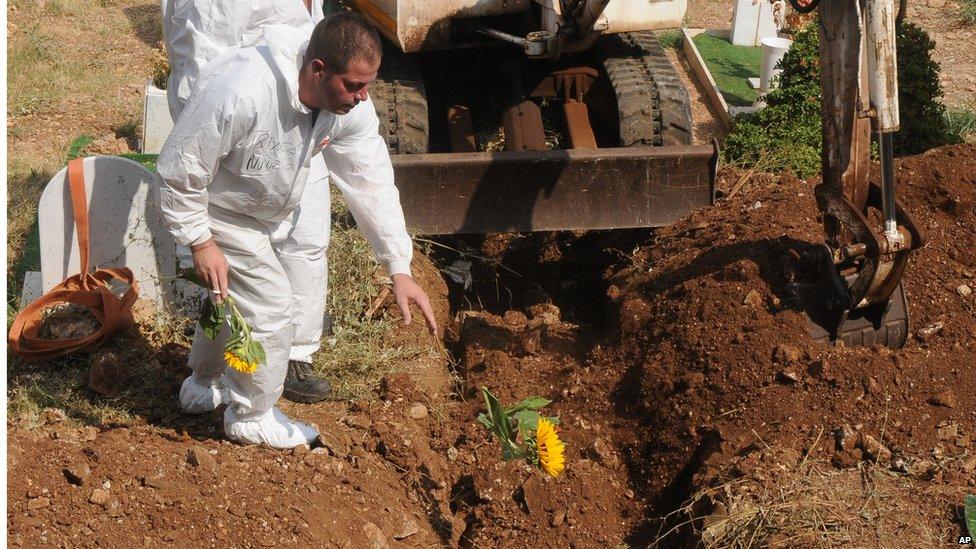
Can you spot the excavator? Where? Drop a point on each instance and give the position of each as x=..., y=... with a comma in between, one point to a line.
x=625, y=157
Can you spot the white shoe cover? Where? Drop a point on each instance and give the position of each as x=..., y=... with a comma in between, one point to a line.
x=272, y=429
x=197, y=398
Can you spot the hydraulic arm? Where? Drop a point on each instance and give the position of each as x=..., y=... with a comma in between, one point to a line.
x=858, y=298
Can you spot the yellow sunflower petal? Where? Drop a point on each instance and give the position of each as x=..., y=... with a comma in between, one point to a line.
x=239, y=363
x=552, y=458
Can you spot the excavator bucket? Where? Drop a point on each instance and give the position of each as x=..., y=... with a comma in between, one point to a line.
x=830, y=318
x=577, y=189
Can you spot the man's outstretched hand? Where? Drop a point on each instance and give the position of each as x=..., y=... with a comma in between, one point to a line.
x=406, y=290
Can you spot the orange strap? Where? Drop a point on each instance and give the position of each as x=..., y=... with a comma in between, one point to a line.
x=90, y=290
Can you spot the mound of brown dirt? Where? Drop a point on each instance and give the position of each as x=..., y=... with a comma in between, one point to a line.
x=721, y=368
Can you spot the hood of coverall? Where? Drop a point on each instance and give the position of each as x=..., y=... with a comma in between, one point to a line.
x=287, y=50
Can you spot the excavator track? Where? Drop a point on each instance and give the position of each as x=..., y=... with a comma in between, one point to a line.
x=654, y=107
x=400, y=99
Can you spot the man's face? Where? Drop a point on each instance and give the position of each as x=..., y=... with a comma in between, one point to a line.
x=340, y=92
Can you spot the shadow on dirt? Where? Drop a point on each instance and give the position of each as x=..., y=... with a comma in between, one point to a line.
x=647, y=401
x=146, y=22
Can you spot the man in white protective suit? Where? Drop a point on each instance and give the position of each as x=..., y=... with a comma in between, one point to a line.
x=196, y=32
x=236, y=188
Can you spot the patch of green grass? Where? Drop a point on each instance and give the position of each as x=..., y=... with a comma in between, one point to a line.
x=962, y=123
x=731, y=67
x=967, y=11
x=670, y=38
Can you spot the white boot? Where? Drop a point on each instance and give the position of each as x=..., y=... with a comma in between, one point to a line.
x=273, y=429
x=197, y=397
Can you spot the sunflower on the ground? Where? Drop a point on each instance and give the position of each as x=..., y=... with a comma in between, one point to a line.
x=524, y=433
x=552, y=451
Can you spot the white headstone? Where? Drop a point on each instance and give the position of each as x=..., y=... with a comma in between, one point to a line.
x=156, y=120
x=752, y=20
x=125, y=227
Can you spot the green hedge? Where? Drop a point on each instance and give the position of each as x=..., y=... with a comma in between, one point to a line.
x=785, y=136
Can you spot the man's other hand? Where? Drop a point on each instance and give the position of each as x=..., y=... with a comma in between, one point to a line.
x=406, y=290
x=211, y=266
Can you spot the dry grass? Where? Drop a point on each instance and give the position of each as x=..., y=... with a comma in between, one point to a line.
x=361, y=350
x=145, y=389
x=815, y=505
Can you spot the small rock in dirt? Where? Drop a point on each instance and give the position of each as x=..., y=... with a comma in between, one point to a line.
x=374, y=536
x=404, y=526
x=603, y=453
x=452, y=453
x=926, y=333
x=38, y=503
x=77, y=474
x=871, y=386
x=531, y=342
x=845, y=438
x=153, y=482
x=969, y=465
x=873, y=449
x=557, y=519
x=199, y=457
x=53, y=415
x=923, y=469
x=787, y=354
x=313, y=459
x=947, y=431
x=964, y=290
x=788, y=375
x=515, y=319
x=418, y=411
x=36, y=492
x=753, y=298
x=100, y=497
x=107, y=373
x=946, y=398
x=88, y=434
x=547, y=312
x=963, y=441
x=300, y=450
x=336, y=445
x=361, y=423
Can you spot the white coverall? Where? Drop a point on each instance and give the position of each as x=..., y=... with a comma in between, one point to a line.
x=235, y=168
x=196, y=32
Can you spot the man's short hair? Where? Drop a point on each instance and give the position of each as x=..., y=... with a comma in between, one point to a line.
x=342, y=37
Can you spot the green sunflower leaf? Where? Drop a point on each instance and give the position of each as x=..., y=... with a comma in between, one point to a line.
x=511, y=450
x=527, y=419
x=529, y=403
x=211, y=318
x=257, y=351
x=486, y=421
x=500, y=423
